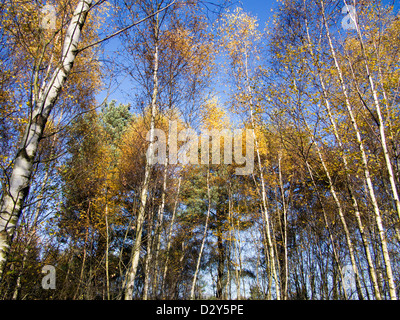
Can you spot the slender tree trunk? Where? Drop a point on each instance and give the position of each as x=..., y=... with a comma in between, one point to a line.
x=268, y=229
x=107, y=254
x=32, y=230
x=372, y=272
x=228, y=275
x=169, y=241
x=131, y=273
x=268, y=260
x=381, y=127
x=13, y=200
x=65, y=287
x=159, y=227
x=340, y=211
x=377, y=256
x=221, y=261
x=336, y=256
x=148, y=257
x=231, y=244
x=237, y=272
x=235, y=248
x=179, y=277
x=378, y=218
x=84, y=255
x=240, y=261
x=285, y=258
x=203, y=241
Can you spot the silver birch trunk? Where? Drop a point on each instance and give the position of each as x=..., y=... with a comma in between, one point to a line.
x=13, y=199
x=335, y=255
x=343, y=221
x=285, y=267
x=107, y=254
x=266, y=216
x=229, y=287
x=339, y=207
x=131, y=272
x=371, y=268
x=76, y=295
x=382, y=133
x=378, y=219
x=236, y=264
x=148, y=258
x=204, y=238
x=32, y=230
x=159, y=226
x=169, y=236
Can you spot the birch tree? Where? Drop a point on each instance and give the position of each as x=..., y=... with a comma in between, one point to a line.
x=241, y=38
x=42, y=104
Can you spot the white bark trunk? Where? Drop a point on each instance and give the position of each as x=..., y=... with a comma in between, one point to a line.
x=32, y=231
x=170, y=236
x=159, y=227
x=268, y=228
x=365, y=241
x=18, y=188
x=284, y=231
x=148, y=257
x=382, y=133
x=204, y=238
x=343, y=221
x=131, y=273
x=378, y=218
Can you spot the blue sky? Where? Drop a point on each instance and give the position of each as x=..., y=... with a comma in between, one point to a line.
x=259, y=8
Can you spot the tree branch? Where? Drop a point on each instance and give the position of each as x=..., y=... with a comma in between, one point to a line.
x=126, y=28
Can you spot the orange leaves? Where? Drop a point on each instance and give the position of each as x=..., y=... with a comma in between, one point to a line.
x=193, y=45
x=240, y=31
x=213, y=116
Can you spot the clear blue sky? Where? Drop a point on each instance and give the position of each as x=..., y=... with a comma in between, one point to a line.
x=259, y=8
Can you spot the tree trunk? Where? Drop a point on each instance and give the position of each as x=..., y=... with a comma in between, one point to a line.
x=378, y=219
x=372, y=272
x=203, y=241
x=381, y=125
x=148, y=257
x=159, y=227
x=235, y=248
x=221, y=262
x=107, y=254
x=284, y=272
x=13, y=200
x=131, y=273
x=32, y=230
x=335, y=255
x=340, y=211
x=169, y=237
x=84, y=255
x=268, y=229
